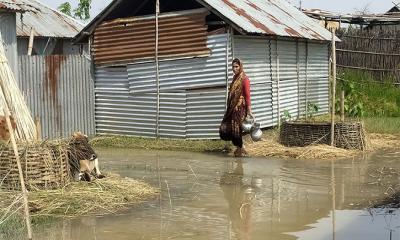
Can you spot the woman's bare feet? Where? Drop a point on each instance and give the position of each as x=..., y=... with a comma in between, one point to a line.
x=240, y=152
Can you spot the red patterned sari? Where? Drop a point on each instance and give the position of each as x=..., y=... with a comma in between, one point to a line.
x=231, y=125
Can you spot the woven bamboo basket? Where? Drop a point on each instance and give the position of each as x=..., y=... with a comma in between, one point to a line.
x=348, y=135
x=44, y=166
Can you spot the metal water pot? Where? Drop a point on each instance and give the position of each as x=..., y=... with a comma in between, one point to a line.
x=247, y=124
x=256, y=132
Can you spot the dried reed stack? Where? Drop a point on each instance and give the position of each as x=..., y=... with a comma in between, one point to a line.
x=12, y=96
x=375, y=50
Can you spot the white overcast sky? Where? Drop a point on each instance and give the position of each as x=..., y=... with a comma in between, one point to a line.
x=342, y=6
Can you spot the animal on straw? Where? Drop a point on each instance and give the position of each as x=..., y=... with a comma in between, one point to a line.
x=82, y=158
x=4, y=131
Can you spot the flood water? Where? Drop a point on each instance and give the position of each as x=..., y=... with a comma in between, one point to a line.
x=212, y=196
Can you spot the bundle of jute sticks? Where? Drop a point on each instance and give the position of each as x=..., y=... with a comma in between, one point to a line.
x=11, y=95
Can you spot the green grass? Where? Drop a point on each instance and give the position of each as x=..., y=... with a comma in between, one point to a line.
x=15, y=228
x=161, y=144
x=385, y=125
x=12, y=228
x=379, y=98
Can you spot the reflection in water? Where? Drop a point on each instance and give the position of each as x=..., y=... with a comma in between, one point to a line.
x=239, y=197
x=207, y=196
x=382, y=224
x=333, y=193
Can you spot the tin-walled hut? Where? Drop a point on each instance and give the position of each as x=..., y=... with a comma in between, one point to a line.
x=285, y=55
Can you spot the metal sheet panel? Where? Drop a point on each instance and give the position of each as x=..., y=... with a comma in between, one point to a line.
x=182, y=34
x=173, y=115
x=288, y=79
x=275, y=73
x=318, y=76
x=303, y=82
x=273, y=17
x=117, y=111
x=205, y=110
x=8, y=34
x=255, y=55
x=183, y=74
x=60, y=91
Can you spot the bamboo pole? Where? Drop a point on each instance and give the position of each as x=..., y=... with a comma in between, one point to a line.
x=333, y=88
x=279, y=97
x=228, y=37
x=38, y=129
x=306, y=98
x=298, y=78
x=21, y=177
x=342, y=106
x=12, y=96
x=30, y=45
x=157, y=72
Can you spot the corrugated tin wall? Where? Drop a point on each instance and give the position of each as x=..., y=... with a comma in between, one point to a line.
x=125, y=40
x=9, y=35
x=318, y=76
x=303, y=73
x=117, y=111
x=182, y=74
x=254, y=53
x=285, y=75
x=193, y=91
x=192, y=99
x=60, y=91
x=288, y=78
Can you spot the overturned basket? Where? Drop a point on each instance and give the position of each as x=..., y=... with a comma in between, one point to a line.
x=44, y=166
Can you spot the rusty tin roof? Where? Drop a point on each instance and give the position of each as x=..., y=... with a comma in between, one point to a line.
x=251, y=17
x=10, y=6
x=45, y=21
x=269, y=17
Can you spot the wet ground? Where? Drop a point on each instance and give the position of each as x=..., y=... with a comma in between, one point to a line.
x=209, y=196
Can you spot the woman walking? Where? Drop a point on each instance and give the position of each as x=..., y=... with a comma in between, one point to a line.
x=238, y=107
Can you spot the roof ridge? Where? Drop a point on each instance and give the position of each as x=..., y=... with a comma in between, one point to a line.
x=61, y=13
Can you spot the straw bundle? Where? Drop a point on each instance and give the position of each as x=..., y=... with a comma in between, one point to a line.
x=12, y=96
x=102, y=196
x=271, y=147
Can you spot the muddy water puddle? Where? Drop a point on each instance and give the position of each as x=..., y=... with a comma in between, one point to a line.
x=209, y=196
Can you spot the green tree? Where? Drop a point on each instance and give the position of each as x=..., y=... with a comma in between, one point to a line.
x=82, y=11
x=65, y=8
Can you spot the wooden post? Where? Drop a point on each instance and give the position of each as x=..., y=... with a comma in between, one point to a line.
x=342, y=106
x=333, y=88
x=306, y=98
x=298, y=78
x=38, y=129
x=21, y=177
x=279, y=97
x=157, y=72
x=228, y=41
x=30, y=45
